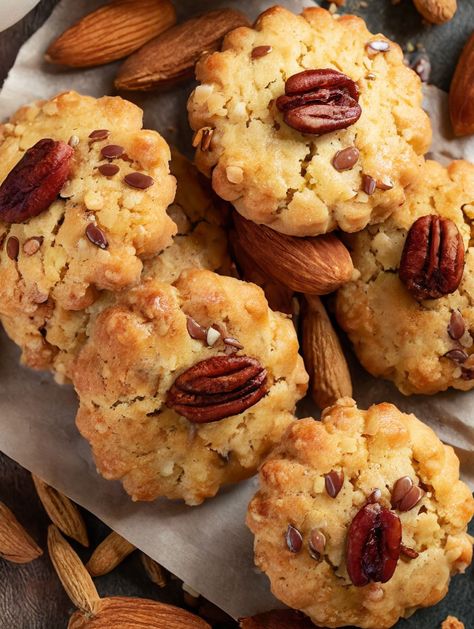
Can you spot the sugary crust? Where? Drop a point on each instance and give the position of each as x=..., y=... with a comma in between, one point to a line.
x=50, y=335
x=139, y=346
x=287, y=181
x=395, y=336
x=373, y=448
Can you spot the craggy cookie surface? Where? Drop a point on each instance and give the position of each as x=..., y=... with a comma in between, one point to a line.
x=422, y=345
x=51, y=336
x=289, y=180
x=110, y=213
x=146, y=344
x=305, y=516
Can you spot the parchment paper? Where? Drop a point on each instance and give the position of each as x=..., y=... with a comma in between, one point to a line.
x=209, y=546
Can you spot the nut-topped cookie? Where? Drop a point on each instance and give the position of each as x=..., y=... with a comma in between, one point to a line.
x=186, y=387
x=51, y=335
x=361, y=517
x=309, y=123
x=410, y=313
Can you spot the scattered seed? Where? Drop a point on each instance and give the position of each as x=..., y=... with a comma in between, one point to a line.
x=368, y=184
x=206, y=139
x=195, y=330
x=139, y=180
x=345, y=159
x=456, y=326
x=213, y=336
x=422, y=66
x=411, y=498
x=73, y=141
x=375, y=496
x=370, y=76
x=108, y=170
x=317, y=543
x=96, y=236
x=99, y=134
x=385, y=185
x=377, y=45
x=13, y=248
x=400, y=488
x=333, y=482
x=408, y=552
x=229, y=340
x=456, y=355
x=260, y=51
x=294, y=539
x=112, y=151
x=32, y=245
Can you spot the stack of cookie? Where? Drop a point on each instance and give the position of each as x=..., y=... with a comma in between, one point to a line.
x=117, y=273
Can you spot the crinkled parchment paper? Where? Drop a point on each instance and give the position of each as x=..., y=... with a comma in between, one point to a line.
x=209, y=546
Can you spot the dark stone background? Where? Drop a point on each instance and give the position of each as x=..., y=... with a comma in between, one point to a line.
x=31, y=597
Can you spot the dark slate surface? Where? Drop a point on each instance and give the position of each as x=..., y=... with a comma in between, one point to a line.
x=30, y=596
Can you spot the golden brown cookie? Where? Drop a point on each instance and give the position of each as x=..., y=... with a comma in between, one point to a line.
x=337, y=151
x=423, y=345
x=361, y=517
x=186, y=387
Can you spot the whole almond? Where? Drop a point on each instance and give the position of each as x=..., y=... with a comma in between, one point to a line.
x=173, y=55
x=111, y=32
x=129, y=613
x=71, y=572
x=277, y=619
x=436, y=11
x=62, y=511
x=15, y=543
x=461, y=93
x=318, y=265
x=324, y=359
x=109, y=554
x=155, y=572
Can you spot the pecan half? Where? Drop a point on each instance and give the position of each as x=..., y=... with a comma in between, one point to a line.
x=218, y=387
x=373, y=547
x=432, y=261
x=319, y=101
x=35, y=182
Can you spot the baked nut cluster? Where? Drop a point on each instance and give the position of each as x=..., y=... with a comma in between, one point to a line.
x=361, y=517
x=410, y=313
x=308, y=123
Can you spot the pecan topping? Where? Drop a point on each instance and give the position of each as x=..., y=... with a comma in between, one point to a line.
x=218, y=387
x=432, y=261
x=320, y=101
x=294, y=539
x=35, y=182
x=373, y=547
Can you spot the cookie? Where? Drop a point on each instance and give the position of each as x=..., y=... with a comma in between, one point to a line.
x=422, y=345
x=51, y=336
x=186, y=387
x=361, y=517
x=337, y=150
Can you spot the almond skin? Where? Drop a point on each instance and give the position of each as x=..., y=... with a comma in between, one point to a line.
x=111, y=32
x=461, y=93
x=171, y=57
x=109, y=554
x=15, y=543
x=129, y=613
x=324, y=359
x=436, y=11
x=317, y=265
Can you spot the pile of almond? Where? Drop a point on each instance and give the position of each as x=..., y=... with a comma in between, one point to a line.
x=77, y=578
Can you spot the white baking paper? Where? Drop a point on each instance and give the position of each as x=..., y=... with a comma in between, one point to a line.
x=209, y=546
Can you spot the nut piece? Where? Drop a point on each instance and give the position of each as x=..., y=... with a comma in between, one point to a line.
x=124, y=612
x=109, y=554
x=436, y=11
x=155, y=572
x=71, y=572
x=218, y=387
x=319, y=101
x=277, y=619
x=461, y=93
x=432, y=261
x=373, y=545
x=62, y=511
x=35, y=182
x=15, y=543
x=316, y=266
x=111, y=32
x=324, y=359
x=171, y=57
